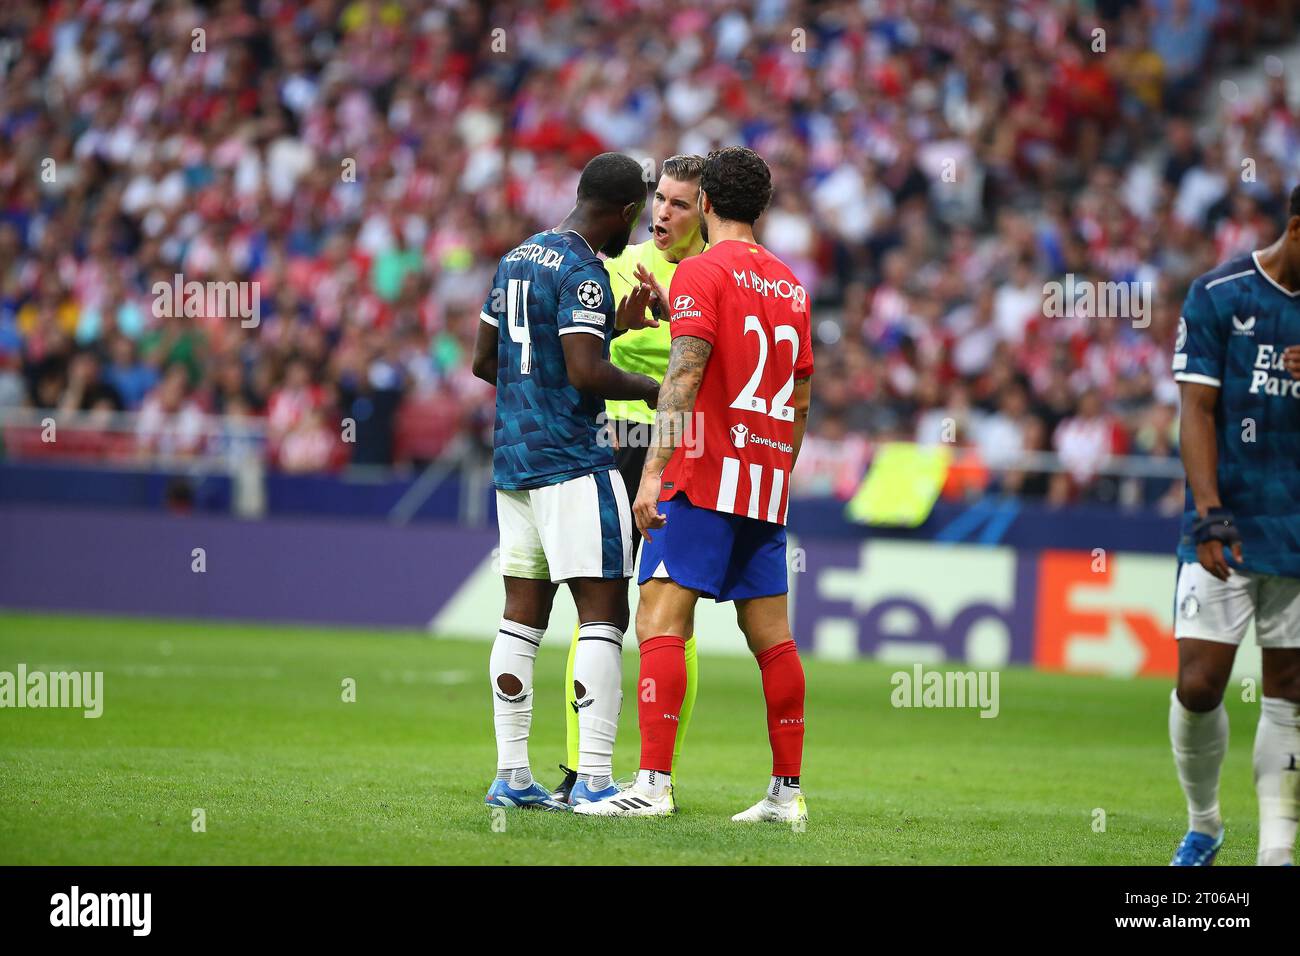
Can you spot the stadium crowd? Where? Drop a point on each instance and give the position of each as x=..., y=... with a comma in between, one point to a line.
x=366, y=163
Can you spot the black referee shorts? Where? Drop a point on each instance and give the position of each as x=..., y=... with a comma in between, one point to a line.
x=629, y=462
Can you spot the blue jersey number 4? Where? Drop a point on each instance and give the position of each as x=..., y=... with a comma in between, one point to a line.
x=517, y=322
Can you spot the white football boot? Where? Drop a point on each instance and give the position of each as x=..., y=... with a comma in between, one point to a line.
x=768, y=810
x=632, y=802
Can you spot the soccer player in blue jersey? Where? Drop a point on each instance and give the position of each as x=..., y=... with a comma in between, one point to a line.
x=1238, y=368
x=562, y=508
x=675, y=231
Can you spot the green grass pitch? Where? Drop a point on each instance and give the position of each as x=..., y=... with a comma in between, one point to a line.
x=248, y=723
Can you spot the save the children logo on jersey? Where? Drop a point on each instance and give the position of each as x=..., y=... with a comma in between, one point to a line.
x=590, y=294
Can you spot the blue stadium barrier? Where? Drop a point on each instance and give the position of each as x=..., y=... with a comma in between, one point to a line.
x=987, y=521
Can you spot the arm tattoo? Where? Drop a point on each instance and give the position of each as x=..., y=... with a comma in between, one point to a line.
x=686, y=364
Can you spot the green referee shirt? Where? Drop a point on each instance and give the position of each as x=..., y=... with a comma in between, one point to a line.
x=641, y=350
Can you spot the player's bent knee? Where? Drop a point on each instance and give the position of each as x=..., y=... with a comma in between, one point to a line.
x=664, y=608
x=1282, y=673
x=1291, y=693
x=1204, y=668
x=1202, y=681
x=529, y=601
x=655, y=623
x=1198, y=693
x=767, y=639
x=1287, y=687
x=527, y=613
x=601, y=599
x=764, y=621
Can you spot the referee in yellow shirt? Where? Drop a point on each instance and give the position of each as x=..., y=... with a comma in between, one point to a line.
x=674, y=235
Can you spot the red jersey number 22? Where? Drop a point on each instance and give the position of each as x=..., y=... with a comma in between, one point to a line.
x=747, y=400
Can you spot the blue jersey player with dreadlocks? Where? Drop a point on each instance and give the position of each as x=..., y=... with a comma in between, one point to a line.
x=562, y=509
x=1237, y=363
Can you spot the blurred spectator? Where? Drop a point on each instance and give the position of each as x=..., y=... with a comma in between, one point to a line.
x=170, y=424
x=309, y=444
x=87, y=388
x=968, y=475
x=293, y=401
x=1029, y=482
x=131, y=378
x=832, y=461
x=1000, y=436
x=1157, y=437
x=13, y=392
x=935, y=164
x=1085, y=441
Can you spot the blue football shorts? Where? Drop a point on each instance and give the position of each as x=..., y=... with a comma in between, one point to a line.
x=724, y=556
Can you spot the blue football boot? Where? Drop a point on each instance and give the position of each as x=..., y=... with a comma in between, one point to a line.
x=532, y=797
x=581, y=793
x=1197, y=849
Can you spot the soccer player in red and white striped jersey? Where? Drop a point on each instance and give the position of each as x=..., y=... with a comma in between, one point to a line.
x=742, y=301
x=714, y=492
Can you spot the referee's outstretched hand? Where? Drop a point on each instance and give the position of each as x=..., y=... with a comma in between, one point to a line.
x=631, y=313
x=658, y=297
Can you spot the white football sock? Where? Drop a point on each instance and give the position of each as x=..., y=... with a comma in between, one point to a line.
x=511, y=669
x=1200, y=742
x=653, y=782
x=519, y=777
x=783, y=789
x=598, y=692
x=1277, y=779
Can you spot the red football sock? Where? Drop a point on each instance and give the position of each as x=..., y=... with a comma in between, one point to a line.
x=659, y=692
x=783, y=689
